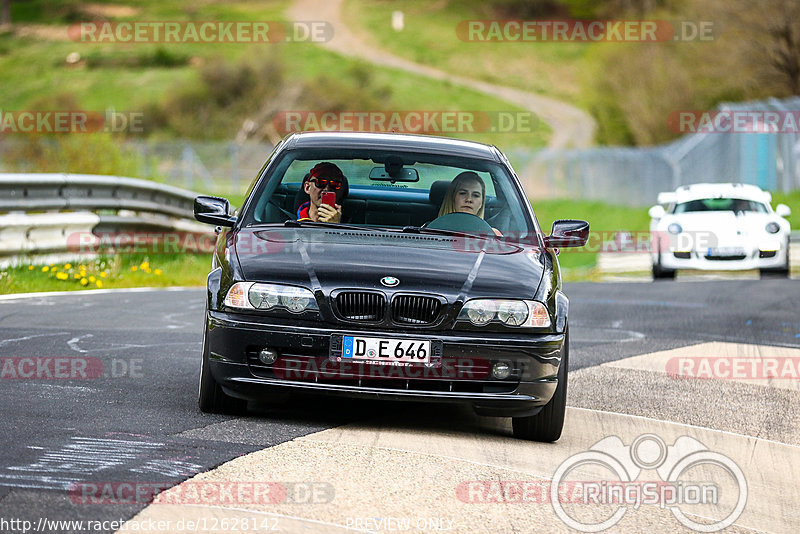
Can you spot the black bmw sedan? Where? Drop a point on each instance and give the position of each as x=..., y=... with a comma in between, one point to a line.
x=388, y=266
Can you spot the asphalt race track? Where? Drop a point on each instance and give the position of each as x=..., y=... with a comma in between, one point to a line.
x=373, y=466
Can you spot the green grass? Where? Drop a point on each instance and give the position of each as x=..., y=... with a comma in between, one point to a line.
x=604, y=221
x=123, y=270
x=430, y=37
x=793, y=201
x=33, y=69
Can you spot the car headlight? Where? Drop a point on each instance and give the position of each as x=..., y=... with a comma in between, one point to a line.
x=257, y=296
x=773, y=228
x=674, y=228
x=521, y=313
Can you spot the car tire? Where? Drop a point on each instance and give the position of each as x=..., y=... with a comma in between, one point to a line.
x=546, y=425
x=659, y=273
x=210, y=397
x=780, y=272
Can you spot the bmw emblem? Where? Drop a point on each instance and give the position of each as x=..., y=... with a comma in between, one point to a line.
x=389, y=281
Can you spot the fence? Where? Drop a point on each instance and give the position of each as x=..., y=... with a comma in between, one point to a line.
x=213, y=166
x=634, y=176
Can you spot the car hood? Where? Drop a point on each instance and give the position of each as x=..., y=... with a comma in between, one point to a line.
x=331, y=258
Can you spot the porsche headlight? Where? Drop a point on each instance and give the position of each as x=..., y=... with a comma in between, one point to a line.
x=257, y=296
x=517, y=313
x=674, y=228
x=772, y=228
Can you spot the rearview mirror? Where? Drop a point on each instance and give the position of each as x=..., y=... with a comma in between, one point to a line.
x=213, y=210
x=656, y=212
x=403, y=174
x=782, y=210
x=568, y=233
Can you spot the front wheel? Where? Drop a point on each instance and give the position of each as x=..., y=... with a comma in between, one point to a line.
x=780, y=272
x=546, y=425
x=660, y=273
x=211, y=398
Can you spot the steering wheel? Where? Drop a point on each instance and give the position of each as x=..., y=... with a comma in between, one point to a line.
x=461, y=222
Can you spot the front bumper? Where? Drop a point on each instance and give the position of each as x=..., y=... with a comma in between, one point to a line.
x=750, y=259
x=462, y=374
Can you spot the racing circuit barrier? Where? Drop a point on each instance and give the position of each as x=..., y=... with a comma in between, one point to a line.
x=43, y=213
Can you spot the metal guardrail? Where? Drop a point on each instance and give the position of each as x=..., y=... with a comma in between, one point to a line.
x=68, y=203
x=39, y=192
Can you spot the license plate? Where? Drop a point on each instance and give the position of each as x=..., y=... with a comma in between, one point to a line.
x=386, y=349
x=725, y=251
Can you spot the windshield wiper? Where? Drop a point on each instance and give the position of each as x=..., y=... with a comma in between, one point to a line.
x=319, y=224
x=440, y=231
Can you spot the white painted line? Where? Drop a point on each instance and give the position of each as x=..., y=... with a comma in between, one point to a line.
x=723, y=362
x=18, y=296
x=686, y=425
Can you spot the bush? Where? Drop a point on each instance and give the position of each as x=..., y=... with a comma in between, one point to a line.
x=158, y=57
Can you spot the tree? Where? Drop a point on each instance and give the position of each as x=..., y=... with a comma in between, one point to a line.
x=765, y=40
x=5, y=13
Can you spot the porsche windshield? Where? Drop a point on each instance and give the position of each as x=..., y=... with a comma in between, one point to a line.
x=721, y=204
x=388, y=189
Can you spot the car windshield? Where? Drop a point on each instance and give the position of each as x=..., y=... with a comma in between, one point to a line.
x=394, y=190
x=721, y=204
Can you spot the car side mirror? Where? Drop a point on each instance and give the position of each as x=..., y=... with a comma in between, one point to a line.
x=213, y=210
x=656, y=212
x=782, y=210
x=567, y=233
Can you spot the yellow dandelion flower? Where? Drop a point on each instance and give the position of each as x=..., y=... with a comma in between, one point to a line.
x=77, y=275
x=148, y=270
x=145, y=265
x=31, y=267
x=99, y=283
x=157, y=272
x=103, y=274
x=45, y=269
x=84, y=281
x=133, y=268
x=51, y=264
x=92, y=279
x=68, y=266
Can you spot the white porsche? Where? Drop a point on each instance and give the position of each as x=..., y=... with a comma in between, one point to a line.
x=719, y=227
